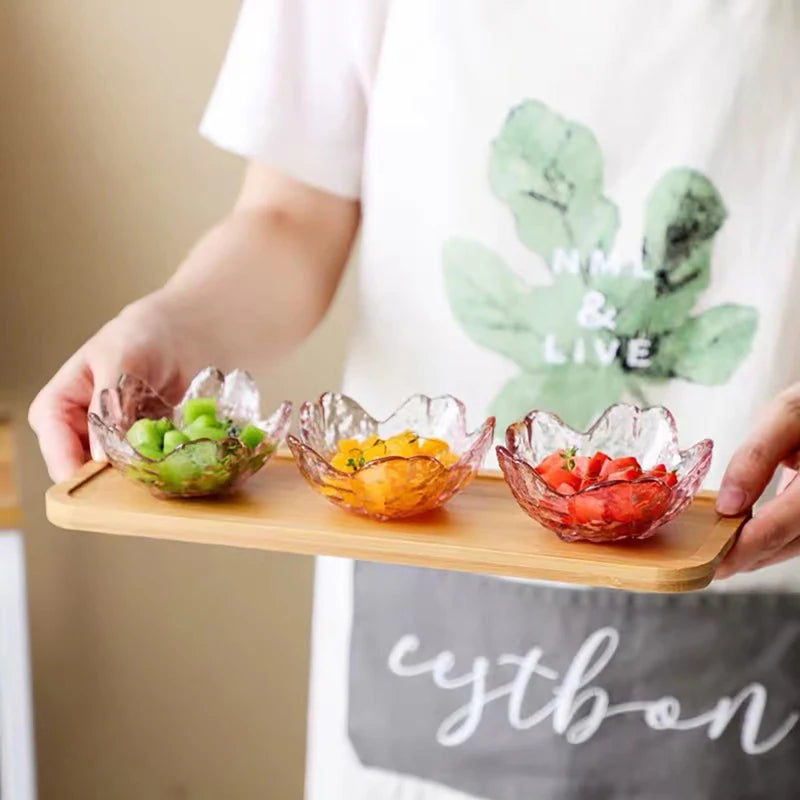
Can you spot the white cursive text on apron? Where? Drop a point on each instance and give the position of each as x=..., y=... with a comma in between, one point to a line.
x=577, y=693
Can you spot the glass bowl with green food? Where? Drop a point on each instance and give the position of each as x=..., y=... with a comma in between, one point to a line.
x=209, y=443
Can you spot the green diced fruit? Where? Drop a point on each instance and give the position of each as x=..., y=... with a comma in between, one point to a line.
x=153, y=453
x=204, y=428
x=144, y=433
x=203, y=421
x=199, y=407
x=174, y=438
x=215, y=434
x=251, y=436
x=164, y=425
x=190, y=465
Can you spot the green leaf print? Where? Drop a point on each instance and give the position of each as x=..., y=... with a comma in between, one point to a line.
x=707, y=348
x=577, y=393
x=549, y=170
x=684, y=213
x=490, y=302
x=600, y=329
x=553, y=308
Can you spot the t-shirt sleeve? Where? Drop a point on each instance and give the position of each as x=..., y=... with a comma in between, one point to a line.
x=291, y=92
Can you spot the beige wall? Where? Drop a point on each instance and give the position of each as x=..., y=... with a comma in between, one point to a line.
x=161, y=670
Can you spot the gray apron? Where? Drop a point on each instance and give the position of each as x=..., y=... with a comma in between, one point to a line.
x=511, y=690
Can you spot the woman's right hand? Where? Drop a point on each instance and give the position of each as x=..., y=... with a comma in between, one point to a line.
x=144, y=340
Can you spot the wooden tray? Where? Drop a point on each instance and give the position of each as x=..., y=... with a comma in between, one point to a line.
x=481, y=530
x=10, y=515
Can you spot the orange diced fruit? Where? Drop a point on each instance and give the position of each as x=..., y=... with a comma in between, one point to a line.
x=379, y=450
x=345, y=445
x=432, y=447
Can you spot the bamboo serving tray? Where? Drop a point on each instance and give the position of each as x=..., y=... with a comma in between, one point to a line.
x=10, y=515
x=481, y=530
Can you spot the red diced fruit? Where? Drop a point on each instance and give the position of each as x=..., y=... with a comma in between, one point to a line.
x=557, y=477
x=623, y=463
x=629, y=474
x=627, y=500
x=613, y=466
x=581, y=468
x=552, y=477
x=552, y=462
x=596, y=464
x=570, y=479
x=569, y=474
x=589, y=507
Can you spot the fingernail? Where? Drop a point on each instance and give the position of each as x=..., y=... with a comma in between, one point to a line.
x=731, y=500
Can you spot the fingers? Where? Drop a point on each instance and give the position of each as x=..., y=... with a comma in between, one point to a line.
x=792, y=550
x=787, y=476
x=774, y=439
x=793, y=461
x=60, y=427
x=771, y=535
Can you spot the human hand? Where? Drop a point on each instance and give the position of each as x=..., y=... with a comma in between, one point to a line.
x=260, y=280
x=773, y=534
x=144, y=340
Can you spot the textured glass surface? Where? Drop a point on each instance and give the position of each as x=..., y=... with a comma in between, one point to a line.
x=610, y=510
x=197, y=468
x=393, y=487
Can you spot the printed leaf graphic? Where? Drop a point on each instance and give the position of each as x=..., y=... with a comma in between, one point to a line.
x=518, y=397
x=549, y=170
x=554, y=308
x=684, y=213
x=707, y=348
x=489, y=302
x=577, y=393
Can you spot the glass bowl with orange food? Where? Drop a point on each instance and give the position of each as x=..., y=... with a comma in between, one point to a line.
x=408, y=464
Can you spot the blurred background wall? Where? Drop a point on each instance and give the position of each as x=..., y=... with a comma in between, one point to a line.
x=160, y=670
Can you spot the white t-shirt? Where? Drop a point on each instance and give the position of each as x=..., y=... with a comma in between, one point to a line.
x=566, y=203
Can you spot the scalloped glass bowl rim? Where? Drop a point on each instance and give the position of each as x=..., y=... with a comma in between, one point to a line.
x=509, y=451
x=282, y=412
x=463, y=459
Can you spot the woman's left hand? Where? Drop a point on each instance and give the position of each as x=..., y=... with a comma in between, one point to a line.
x=773, y=534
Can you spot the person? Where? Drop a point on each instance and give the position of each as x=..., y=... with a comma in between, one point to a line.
x=562, y=204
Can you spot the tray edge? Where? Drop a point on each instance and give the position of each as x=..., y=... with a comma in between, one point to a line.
x=686, y=577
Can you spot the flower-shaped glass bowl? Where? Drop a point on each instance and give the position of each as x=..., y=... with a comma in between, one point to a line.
x=606, y=511
x=394, y=486
x=200, y=467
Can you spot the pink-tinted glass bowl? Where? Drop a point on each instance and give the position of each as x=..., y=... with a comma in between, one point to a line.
x=201, y=467
x=607, y=511
x=392, y=487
